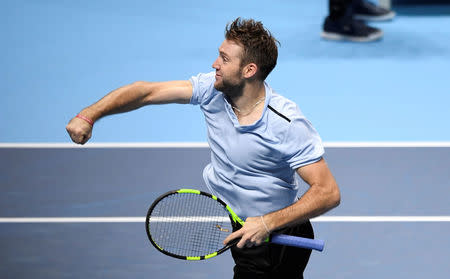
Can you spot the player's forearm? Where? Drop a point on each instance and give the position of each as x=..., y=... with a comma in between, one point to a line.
x=123, y=99
x=316, y=201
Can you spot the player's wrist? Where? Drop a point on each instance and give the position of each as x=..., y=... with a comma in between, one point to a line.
x=89, y=115
x=85, y=118
x=265, y=225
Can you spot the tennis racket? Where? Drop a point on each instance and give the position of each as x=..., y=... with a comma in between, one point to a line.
x=191, y=225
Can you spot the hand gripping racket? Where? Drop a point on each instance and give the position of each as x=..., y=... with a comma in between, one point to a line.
x=191, y=225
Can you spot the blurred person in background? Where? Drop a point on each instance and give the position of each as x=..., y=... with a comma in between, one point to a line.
x=346, y=21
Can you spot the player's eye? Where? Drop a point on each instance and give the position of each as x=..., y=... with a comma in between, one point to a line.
x=225, y=59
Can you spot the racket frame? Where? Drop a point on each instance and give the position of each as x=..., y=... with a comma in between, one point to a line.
x=236, y=223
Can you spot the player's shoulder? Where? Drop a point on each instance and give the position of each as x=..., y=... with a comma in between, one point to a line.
x=203, y=88
x=204, y=78
x=283, y=109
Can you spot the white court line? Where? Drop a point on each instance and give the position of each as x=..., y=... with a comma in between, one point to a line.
x=386, y=144
x=196, y=219
x=108, y=145
x=351, y=219
x=72, y=220
x=382, y=219
x=205, y=145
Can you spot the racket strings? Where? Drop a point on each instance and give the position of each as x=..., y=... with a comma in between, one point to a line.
x=189, y=225
x=196, y=235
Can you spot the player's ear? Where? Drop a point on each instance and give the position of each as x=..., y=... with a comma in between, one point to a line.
x=250, y=70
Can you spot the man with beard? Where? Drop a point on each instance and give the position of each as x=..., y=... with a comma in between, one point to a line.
x=259, y=141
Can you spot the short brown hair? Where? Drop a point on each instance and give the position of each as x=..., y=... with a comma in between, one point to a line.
x=260, y=47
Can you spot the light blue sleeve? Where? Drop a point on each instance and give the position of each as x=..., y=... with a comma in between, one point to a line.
x=302, y=144
x=202, y=87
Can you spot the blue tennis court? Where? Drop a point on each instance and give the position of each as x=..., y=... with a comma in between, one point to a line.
x=107, y=182
x=78, y=212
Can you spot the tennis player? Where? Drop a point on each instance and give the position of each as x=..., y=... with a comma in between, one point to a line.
x=259, y=141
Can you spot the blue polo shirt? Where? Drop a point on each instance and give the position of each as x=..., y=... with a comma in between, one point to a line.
x=253, y=167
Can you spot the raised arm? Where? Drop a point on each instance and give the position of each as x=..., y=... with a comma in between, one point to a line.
x=128, y=98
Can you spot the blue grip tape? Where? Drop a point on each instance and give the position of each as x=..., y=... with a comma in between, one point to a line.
x=296, y=241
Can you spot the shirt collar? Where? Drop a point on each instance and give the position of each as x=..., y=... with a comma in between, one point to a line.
x=259, y=122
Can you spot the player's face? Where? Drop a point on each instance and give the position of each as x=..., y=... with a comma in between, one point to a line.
x=229, y=77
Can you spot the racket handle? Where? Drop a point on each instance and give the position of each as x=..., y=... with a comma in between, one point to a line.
x=296, y=241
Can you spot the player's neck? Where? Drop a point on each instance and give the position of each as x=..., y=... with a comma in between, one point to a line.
x=253, y=96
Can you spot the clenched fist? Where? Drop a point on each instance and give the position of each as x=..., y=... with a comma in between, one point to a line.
x=80, y=131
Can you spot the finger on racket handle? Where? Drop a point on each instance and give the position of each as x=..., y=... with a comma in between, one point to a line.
x=301, y=242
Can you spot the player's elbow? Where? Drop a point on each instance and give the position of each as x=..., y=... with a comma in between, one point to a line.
x=334, y=196
x=331, y=195
x=140, y=85
x=145, y=90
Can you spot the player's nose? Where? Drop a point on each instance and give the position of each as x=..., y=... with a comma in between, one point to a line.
x=215, y=64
